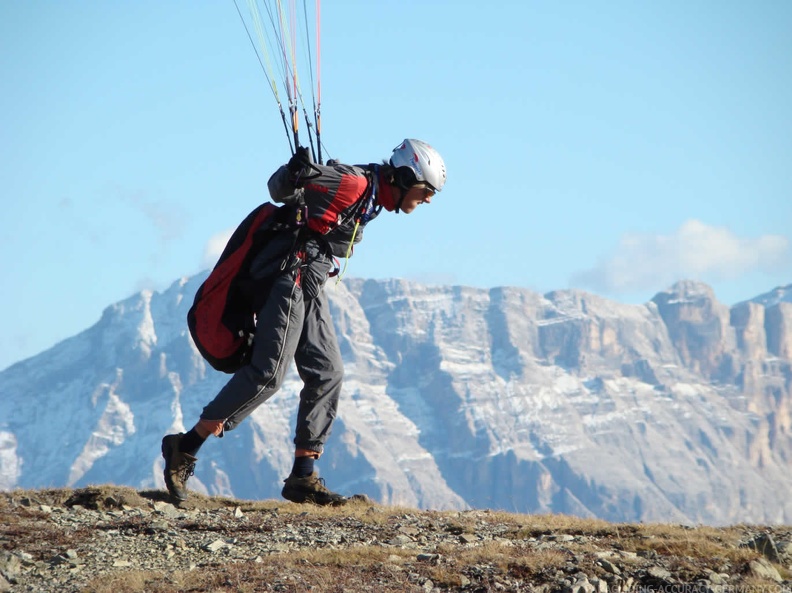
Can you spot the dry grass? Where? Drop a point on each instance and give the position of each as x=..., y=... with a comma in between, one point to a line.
x=30, y=530
x=253, y=578
x=366, y=568
x=536, y=525
x=359, y=556
x=103, y=497
x=704, y=543
x=701, y=542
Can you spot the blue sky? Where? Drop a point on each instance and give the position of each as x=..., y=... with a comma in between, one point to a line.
x=610, y=146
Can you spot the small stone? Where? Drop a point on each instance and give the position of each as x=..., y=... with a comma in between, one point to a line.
x=46, y=509
x=608, y=566
x=428, y=557
x=112, y=502
x=762, y=569
x=121, y=563
x=463, y=581
x=216, y=545
x=69, y=557
x=659, y=573
x=400, y=540
x=167, y=509
x=715, y=578
x=238, y=513
x=468, y=538
x=582, y=585
x=766, y=546
x=9, y=564
x=159, y=526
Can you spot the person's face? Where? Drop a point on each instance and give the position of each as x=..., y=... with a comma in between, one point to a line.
x=415, y=196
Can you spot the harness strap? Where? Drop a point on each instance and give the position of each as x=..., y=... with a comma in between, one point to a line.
x=367, y=210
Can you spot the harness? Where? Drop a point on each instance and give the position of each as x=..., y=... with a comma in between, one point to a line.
x=368, y=209
x=296, y=220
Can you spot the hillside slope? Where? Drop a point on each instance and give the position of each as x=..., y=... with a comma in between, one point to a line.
x=114, y=540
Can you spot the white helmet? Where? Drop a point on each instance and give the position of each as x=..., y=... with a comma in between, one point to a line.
x=425, y=162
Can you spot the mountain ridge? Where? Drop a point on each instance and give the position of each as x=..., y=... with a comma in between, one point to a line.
x=454, y=397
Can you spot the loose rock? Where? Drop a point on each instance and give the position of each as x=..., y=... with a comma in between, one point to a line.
x=762, y=568
x=73, y=548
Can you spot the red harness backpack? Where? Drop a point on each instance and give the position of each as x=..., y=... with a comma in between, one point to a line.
x=221, y=319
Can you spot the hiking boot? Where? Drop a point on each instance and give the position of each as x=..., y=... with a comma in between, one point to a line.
x=310, y=489
x=179, y=466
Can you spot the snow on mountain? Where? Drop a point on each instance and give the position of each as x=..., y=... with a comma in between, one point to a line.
x=780, y=294
x=454, y=397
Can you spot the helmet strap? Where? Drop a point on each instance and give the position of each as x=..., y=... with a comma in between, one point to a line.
x=403, y=179
x=402, y=195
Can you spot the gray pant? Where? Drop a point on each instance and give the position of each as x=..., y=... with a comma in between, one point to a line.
x=288, y=326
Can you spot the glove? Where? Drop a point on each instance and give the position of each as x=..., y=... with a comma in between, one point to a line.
x=300, y=165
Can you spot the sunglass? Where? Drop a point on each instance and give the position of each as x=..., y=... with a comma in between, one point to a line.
x=428, y=191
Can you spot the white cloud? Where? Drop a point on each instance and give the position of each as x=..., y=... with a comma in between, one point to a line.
x=168, y=217
x=696, y=251
x=214, y=247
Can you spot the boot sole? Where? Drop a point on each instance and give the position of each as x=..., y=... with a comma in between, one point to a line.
x=300, y=498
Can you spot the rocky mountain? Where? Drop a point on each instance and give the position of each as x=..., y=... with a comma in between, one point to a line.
x=676, y=410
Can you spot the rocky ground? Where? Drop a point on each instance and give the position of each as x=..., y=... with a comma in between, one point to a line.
x=111, y=539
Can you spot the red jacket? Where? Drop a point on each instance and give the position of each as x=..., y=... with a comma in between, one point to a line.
x=335, y=198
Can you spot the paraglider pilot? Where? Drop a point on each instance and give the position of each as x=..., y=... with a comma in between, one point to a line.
x=293, y=319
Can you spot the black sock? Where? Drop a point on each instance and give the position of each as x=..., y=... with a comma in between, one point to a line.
x=303, y=467
x=191, y=442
